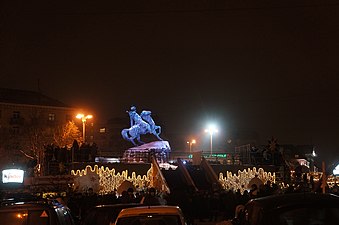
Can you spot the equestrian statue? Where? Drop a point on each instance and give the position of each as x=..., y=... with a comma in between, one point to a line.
x=140, y=125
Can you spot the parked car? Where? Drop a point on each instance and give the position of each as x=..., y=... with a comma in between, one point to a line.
x=151, y=215
x=106, y=214
x=290, y=209
x=33, y=212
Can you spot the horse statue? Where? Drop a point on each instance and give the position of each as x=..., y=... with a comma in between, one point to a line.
x=140, y=125
x=155, y=129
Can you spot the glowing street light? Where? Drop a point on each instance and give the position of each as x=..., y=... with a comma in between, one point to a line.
x=211, y=130
x=83, y=119
x=190, y=144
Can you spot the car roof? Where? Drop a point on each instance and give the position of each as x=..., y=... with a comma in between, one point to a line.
x=284, y=200
x=105, y=214
x=116, y=206
x=156, y=209
x=31, y=203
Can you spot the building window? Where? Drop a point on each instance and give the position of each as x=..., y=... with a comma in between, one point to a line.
x=16, y=119
x=16, y=115
x=15, y=130
x=51, y=117
x=102, y=130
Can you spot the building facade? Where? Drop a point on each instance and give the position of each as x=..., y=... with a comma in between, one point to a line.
x=25, y=119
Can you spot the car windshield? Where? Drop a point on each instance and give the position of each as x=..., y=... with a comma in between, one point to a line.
x=105, y=216
x=24, y=217
x=100, y=217
x=150, y=220
x=300, y=214
x=310, y=215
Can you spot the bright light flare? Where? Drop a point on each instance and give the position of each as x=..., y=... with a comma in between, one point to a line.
x=211, y=129
x=79, y=116
x=190, y=143
x=83, y=117
x=21, y=215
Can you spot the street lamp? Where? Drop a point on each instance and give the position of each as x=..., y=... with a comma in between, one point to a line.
x=83, y=119
x=211, y=130
x=190, y=144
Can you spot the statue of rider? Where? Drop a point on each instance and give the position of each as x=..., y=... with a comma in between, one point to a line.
x=136, y=120
x=155, y=129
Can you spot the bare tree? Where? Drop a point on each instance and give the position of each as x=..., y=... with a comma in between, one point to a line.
x=36, y=137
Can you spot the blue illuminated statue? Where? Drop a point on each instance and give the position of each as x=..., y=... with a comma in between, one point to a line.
x=140, y=124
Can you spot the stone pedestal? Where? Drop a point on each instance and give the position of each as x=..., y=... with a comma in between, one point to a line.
x=142, y=154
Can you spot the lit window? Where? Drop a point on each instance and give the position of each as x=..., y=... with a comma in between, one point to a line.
x=102, y=130
x=51, y=117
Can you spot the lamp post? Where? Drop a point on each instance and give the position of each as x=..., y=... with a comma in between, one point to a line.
x=83, y=119
x=211, y=130
x=190, y=144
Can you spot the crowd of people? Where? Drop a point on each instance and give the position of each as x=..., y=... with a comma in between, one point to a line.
x=196, y=205
x=81, y=203
x=204, y=205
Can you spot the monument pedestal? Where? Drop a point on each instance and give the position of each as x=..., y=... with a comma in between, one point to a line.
x=142, y=154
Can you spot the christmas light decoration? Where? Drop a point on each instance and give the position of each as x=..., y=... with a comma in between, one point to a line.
x=240, y=182
x=108, y=180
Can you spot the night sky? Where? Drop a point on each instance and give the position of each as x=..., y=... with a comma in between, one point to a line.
x=253, y=67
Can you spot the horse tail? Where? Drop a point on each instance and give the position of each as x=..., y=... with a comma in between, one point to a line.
x=124, y=134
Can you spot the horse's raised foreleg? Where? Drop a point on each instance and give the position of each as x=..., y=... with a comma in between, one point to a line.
x=159, y=138
x=156, y=134
x=159, y=130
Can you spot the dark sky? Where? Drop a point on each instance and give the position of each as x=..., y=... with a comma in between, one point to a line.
x=253, y=67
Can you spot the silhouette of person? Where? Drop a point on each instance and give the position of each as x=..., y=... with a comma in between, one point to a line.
x=151, y=198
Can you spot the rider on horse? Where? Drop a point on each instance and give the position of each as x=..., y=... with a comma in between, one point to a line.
x=136, y=120
x=143, y=124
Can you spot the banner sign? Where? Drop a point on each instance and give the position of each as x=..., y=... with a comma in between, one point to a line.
x=12, y=176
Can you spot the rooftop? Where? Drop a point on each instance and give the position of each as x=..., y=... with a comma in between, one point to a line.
x=25, y=97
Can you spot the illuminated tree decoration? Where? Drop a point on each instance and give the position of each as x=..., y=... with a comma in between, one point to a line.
x=108, y=180
x=240, y=182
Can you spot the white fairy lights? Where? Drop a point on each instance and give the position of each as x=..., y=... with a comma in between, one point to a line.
x=108, y=180
x=240, y=182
